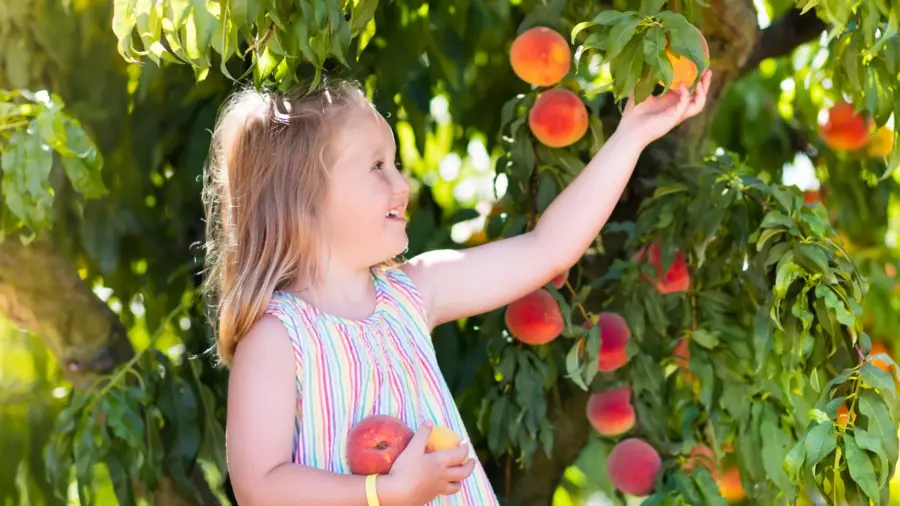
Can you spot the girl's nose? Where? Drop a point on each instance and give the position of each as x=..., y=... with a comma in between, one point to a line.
x=399, y=184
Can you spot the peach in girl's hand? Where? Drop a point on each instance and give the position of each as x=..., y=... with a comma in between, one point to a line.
x=442, y=438
x=375, y=442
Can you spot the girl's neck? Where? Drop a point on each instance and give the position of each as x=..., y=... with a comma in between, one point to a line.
x=342, y=292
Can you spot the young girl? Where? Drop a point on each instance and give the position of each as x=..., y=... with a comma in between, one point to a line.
x=321, y=329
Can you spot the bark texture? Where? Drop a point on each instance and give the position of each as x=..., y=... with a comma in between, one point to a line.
x=41, y=292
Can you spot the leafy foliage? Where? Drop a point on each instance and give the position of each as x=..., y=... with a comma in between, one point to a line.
x=33, y=126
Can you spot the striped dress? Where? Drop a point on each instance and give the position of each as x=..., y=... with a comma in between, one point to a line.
x=384, y=364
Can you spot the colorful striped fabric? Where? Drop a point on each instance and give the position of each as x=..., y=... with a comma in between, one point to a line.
x=384, y=364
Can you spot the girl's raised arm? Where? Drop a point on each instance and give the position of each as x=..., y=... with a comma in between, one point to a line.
x=460, y=283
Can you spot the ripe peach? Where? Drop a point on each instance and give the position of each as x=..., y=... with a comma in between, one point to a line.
x=610, y=412
x=843, y=415
x=882, y=142
x=845, y=129
x=534, y=318
x=442, y=438
x=676, y=279
x=879, y=347
x=558, y=118
x=704, y=456
x=614, y=335
x=730, y=485
x=540, y=56
x=633, y=465
x=375, y=442
x=560, y=279
x=684, y=71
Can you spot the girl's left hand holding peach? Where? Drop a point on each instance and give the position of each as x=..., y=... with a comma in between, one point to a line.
x=657, y=115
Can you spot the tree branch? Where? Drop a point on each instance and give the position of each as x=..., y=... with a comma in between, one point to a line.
x=783, y=36
x=41, y=292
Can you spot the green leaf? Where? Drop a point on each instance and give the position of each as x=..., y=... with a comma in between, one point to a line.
x=776, y=219
x=685, y=39
x=573, y=365
x=879, y=422
x=626, y=68
x=464, y=214
x=620, y=35
x=833, y=302
x=794, y=460
x=868, y=442
x=650, y=7
x=362, y=14
x=860, y=468
x=83, y=168
x=787, y=274
x=645, y=85
x=122, y=483
x=820, y=441
x=878, y=379
x=705, y=338
x=655, y=54
x=123, y=417
x=604, y=18
x=26, y=168
x=598, y=136
x=812, y=257
x=775, y=447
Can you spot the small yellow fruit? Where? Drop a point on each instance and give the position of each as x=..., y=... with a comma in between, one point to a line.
x=442, y=438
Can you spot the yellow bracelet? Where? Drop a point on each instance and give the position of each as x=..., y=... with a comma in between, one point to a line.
x=371, y=495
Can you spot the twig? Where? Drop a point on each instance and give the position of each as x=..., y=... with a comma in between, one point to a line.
x=261, y=42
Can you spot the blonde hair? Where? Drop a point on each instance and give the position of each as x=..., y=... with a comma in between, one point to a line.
x=267, y=174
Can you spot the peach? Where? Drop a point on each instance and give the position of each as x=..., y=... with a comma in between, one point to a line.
x=843, y=415
x=882, y=142
x=684, y=71
x=730, y=486
x=375, y=442
x=558, y=118
x=676, y=279
x=442, y=438
x=540, y=56
x=534, y=318
x=879, y=347
x=610, y=412
x=560, y=279
x=614, y=335
x=633, y=466
x=704, y=456
x=845, y=129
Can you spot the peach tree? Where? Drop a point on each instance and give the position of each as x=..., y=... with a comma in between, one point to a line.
x=726, y=338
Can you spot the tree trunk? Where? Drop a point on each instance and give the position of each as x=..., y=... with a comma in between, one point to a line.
x=41, y=292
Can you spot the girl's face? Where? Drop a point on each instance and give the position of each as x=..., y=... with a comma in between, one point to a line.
x=365, y=205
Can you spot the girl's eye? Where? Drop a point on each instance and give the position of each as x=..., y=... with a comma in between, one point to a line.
x=377, y=166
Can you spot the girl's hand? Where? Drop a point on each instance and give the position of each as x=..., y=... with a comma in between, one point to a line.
x=657, y=115
x=416, y=477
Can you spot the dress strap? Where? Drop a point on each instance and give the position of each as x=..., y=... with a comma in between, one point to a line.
x=403, y=297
